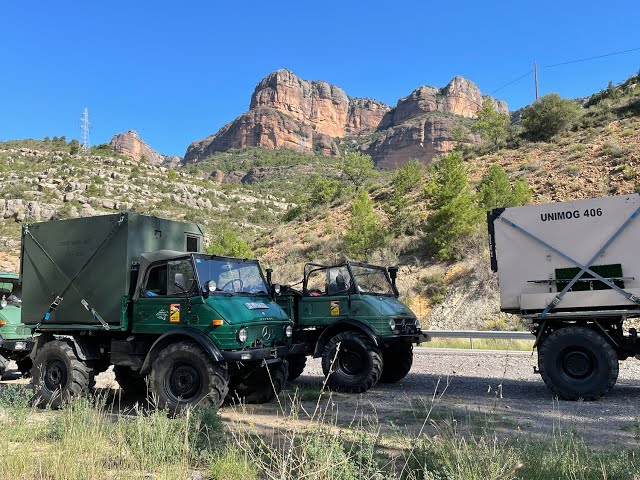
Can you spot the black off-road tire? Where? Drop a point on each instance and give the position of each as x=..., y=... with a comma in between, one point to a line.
x=358, y=365
x=59, y=376
x=398, y=359
x=297, y=364
x=183, y=375
x=578, y=363
x=25, y=364
x=262, y=385
x=131, y=382
x=4, y=363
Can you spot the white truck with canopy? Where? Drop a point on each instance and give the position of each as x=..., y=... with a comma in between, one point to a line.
x=572, y=270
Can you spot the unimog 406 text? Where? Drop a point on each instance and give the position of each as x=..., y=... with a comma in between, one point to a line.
x=136, y=292
x=350, y=316
x=15, y=339
x=572, y=270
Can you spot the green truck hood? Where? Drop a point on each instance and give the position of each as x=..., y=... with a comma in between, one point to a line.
x=13, y=328
x=389, y=306
x=242, y=309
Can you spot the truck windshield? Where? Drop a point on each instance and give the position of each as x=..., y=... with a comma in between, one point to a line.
x=230, y=276
x=371, y=280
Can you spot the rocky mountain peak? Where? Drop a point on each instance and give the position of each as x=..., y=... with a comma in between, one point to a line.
x=131, y=145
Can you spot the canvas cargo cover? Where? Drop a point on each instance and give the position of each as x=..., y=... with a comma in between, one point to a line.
x=54, y=252
x=576, y=228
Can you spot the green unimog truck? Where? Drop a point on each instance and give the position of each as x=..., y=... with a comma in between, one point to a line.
x=350, y=315
x=15, y=340
x=137, y=292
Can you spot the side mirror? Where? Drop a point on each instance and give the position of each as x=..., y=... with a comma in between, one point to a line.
x=269, y=275
x=180, y=282
x=393, y=274
x=209, y=286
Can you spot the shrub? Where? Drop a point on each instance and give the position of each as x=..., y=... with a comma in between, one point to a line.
x=357, y=169
x=491, y=124
x=454, y=214
x=495, y=191
x=226, y=242
x=403, y=219
x=364, y=233
x=549, y=116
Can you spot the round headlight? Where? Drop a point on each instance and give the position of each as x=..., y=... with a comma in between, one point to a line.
x=3, y=302
x=242, y=335
x=276, y=289
x=211, y=286
x=392, y=324
x=417, y=323
x=288, y=331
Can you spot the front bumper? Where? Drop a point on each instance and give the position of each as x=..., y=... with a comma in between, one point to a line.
x=403, y=338
x=17, y=346
x=252, y=354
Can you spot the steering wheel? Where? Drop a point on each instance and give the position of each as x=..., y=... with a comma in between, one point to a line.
x=231, y=282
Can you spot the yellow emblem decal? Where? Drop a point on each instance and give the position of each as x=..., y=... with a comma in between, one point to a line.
x=174, y=316
x=334, y=308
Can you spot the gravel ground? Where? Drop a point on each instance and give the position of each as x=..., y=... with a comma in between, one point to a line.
x=482, y=390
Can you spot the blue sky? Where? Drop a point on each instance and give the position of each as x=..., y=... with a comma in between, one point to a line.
x=178, y=71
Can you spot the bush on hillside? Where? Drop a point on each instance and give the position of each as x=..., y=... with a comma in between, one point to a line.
x=357, y=169
x=549, y=116
x=492, y=125
x=454, y=214
x=495, y=191
x=365, y=233
x=226, y=242
x=403, y=219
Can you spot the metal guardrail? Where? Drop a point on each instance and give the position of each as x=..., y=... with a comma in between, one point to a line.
x=500, y=334
x=477, y=334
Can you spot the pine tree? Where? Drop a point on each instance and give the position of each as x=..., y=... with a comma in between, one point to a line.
x=454, y=214
x=403, y=219
x=365, y=233
x=357, y=169
x=495, y=191
x=491, y=124
x=226, y=242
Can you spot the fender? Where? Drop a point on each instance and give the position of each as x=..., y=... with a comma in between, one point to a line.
x=343, y=326
x=190, y=333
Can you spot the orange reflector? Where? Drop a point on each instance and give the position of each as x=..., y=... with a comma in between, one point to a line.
x=2, y=323
x=217, y=323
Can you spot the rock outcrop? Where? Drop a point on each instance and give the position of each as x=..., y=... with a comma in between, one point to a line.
x=131, y=145
x=314, y=116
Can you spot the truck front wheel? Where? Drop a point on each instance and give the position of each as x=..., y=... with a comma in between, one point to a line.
x=59, y=376
x=183, y=375
x=578, y=363
x=352, y=362
x=297, y=363
x=398, y=359
x=261, y=385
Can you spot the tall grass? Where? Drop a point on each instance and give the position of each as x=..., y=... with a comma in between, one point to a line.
x=93, y=439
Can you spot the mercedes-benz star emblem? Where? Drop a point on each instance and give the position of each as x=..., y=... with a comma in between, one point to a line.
x=266, y=333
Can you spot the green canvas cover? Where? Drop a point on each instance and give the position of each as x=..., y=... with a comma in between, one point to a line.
x=92, y=263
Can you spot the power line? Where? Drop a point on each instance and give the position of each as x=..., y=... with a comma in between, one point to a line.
x=512, y=82
x=592, y=58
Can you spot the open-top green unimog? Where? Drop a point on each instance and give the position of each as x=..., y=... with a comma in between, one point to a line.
x=350, y=316
x=15, y=339
x=135, y=292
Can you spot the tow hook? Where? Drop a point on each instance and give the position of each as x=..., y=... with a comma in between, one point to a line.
x=274, y=352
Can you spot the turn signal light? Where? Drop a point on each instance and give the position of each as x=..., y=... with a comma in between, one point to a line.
x=2, y=323
x=217, y=323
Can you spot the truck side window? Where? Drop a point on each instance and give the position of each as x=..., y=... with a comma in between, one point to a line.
x=317, y=283
x=339, y=281
x=185, y=267
x=156, y=282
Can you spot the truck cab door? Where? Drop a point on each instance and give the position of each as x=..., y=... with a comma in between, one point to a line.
x=162, y=306
x=326, y=298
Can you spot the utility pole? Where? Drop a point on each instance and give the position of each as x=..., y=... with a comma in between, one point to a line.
x=535, y=75
x=84, y=148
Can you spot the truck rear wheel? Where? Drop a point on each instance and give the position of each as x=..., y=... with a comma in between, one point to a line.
x=297, y=363
x=398, y=359
x=131, y=382
x=358, y=362
x=578, y=363
x=262, y=385
x=183, y=375
x=59, y=376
